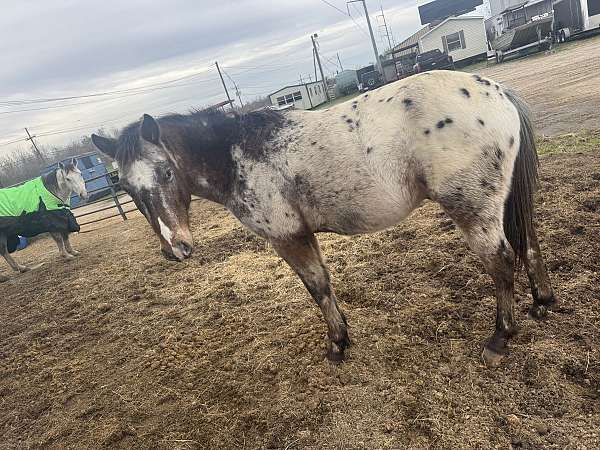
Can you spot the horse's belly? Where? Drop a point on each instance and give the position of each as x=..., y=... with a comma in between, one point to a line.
x=367, y=215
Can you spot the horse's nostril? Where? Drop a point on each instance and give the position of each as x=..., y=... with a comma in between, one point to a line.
x=186, y=249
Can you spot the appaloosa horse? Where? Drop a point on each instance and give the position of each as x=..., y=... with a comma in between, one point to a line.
x=460, y=140
x=40, y=205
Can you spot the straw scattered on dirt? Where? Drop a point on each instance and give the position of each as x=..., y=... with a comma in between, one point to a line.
x=123, y=349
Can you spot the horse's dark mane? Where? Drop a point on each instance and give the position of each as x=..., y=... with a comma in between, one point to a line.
x=211, y=132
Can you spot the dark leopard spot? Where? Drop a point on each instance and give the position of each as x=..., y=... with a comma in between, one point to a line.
x=481, y=122
x=427, y=131
x=465, y=92
x=313, y=143
x=369, y=149
x=407, y=102
x=440, y=124
x=349, y=120
x=511, y=141
x=390, y=99
x=448, y=120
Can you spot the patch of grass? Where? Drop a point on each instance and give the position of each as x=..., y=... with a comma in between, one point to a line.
x=569, y=143
x=336, y=101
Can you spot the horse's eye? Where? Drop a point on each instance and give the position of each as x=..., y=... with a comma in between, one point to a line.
x=169, y=175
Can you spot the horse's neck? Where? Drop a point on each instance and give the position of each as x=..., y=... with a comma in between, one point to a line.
x=60, y=190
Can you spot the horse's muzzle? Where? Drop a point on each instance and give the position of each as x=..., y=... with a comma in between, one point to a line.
x=179, y=251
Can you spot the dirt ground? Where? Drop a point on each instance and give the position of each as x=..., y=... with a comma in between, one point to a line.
x=562, y=88
x=123, y=349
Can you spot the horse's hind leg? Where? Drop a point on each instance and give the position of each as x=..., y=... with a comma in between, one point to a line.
x=60, y=243
x=9, y=259
x=485, y=236
x=541, y=289
x=304, y=256
x=68, y=246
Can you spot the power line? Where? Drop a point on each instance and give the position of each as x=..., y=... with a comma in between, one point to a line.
x=100, y=94
x=335, y=7
x=354, y=20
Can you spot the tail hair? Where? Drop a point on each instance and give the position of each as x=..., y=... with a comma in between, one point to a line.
x=518, y=208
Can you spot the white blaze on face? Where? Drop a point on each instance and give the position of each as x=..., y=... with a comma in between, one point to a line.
x=141, y=175
x=165, y=231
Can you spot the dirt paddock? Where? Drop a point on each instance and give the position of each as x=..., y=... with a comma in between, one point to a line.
x=123, y=349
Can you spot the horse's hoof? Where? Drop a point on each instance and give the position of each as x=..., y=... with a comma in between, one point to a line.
x=335, y=353
x=491, y=357
x=75, y=253
x=68, y=257
x=23, y=269
x=538, y=312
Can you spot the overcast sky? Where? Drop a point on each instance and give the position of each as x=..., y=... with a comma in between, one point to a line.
x=160, y=55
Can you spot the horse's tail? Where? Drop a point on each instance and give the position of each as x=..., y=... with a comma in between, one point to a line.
x=518, y=208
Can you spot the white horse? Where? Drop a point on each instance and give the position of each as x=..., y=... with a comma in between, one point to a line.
x=60, y=184
x=460, y=140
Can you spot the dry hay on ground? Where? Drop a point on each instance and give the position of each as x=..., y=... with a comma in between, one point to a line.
x=123, y=349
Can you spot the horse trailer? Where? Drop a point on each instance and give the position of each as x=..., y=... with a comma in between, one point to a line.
x=575, y=18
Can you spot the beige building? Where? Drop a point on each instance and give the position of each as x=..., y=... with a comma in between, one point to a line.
x=301, y=96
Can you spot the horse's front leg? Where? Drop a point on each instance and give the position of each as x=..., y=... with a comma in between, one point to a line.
x=68, y=246
x=304, y=256
x=60, y=243
x=9, y=259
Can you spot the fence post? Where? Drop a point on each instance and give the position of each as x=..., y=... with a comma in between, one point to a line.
x=114, y=196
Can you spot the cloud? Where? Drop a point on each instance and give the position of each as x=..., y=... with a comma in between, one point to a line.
x=67, y=47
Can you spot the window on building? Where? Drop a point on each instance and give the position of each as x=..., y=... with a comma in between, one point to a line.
x=297, y=95
x=454, y=41
x=310, y=91
x=281, y=101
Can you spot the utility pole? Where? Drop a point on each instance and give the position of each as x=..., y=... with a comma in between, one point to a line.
x=37, y=150
x=224, y=87
x=312, y=38
x=377, y=60
x=340, y=62
x=314, y=62
x=387, y=33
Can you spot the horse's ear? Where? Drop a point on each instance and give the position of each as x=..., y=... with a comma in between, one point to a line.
x=149, y=129
x=107, y=146
x=74, y=162
x=61, y=166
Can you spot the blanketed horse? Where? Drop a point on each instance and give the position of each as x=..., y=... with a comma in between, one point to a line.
x=460, y=140
x=39, y=206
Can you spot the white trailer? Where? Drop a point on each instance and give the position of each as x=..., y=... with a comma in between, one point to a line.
x=575, y=18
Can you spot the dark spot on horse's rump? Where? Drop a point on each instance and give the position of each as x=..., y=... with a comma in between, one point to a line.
x=427, y=131
x=487, y=185
x=357, y=123
x=465, y=92
x=487, y=94
x=511, y=141
x=498, y=153
x=390, y=99
x=354, y=102
x=344, y=116
x=369, y=149
x=380, y=100
x=258, y=221
x=287, y=214
x=496, y=165
x=484, y=229
x=448, y=120
x=320, y=148
x=349, y=120
x=251, y=205
x=500, y=93
x=481, y=122
x=407, y=102
x=354, y=106
x=365, y=96
x=269, y=195
x=440, y=124
x=267, y=221
x=313, y=142
x=502, y=245
x=497, y=87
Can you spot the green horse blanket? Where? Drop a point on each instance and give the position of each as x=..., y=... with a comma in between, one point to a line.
x=31, y=209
